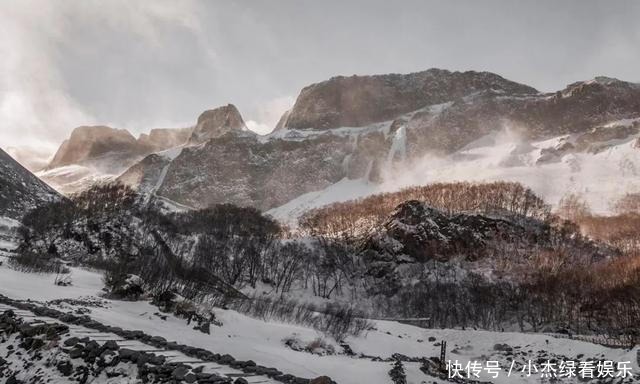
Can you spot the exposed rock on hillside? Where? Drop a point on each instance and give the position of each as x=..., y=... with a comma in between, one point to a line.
x=20, y=190
x=416, y=233
x=364, y=126
x=239, y=169
x=357, y=101
x=89, y=142
x=217, y=122
x=159, y=139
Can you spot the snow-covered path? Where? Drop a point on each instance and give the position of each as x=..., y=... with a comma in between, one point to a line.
x=172, y=356
x=247, y=338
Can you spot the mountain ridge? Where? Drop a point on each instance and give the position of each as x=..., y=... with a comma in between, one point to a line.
x=435, y=112
x=20, y=190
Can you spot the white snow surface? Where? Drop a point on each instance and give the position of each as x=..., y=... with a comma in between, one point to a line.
x=8, y=227
x=247, y=338
x=343, y=190
x=600, y=178
x=8, y=223
x=74, y=178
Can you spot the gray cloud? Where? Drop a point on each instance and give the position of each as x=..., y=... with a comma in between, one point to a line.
x=149, y=63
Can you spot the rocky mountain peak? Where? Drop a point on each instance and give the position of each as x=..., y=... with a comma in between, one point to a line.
x=217, y=122
x=88, y=142
x=361, y=100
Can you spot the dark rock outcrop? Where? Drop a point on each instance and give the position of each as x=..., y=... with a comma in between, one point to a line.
x=417, y=234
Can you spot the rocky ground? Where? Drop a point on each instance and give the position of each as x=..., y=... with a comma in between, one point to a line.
x=41, y=345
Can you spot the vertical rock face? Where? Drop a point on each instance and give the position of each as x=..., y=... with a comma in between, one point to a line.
x=99, y=153
x=20, y=190
x=217, y=122
x=364, y=126
x=89, y=142
x=159, y=139
x=282, y=123
x=240, y=169
x=361, y=100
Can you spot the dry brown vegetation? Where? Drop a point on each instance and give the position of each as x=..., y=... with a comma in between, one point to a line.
x=354, y=217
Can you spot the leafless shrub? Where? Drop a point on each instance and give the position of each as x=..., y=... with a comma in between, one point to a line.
x=573, y=207
x=352, y=218
x=36, y=263
x=332, y=319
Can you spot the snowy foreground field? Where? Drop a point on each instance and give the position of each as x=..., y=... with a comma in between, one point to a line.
x=251, y=339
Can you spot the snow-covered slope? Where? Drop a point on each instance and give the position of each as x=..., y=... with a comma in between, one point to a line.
x=601, y=174
x=74, y=178
x=343, y=190
x=601, y=167
x=99, y=154
x=262, y=341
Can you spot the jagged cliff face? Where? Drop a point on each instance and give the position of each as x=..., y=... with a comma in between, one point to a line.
x=99, y=154
x=242, y=170
x=357, y=101
x=358, y=127
x=89, y=142
x=217, y=122
x=20, y=190
x=446, y=110
x=159, y=139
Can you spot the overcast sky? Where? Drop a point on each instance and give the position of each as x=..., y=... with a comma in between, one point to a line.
x=144, y=64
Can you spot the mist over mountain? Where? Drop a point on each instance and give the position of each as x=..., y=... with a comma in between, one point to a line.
x=319, y=192
x=368, y=129
x=94, y=154
x=371, y=133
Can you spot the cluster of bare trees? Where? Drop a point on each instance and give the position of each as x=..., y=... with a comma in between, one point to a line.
x=334, y=319
x=232, y=241
x=628, y=204
x=92, y=225
x=603, y=299
x=220, y=250
x=621, y=230
x=353, y=218
x=573, y=207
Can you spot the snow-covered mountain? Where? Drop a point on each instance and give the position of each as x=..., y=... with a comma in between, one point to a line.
x=95, y=154
x=351, y=136
x=20, y=190
x=600, y=165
